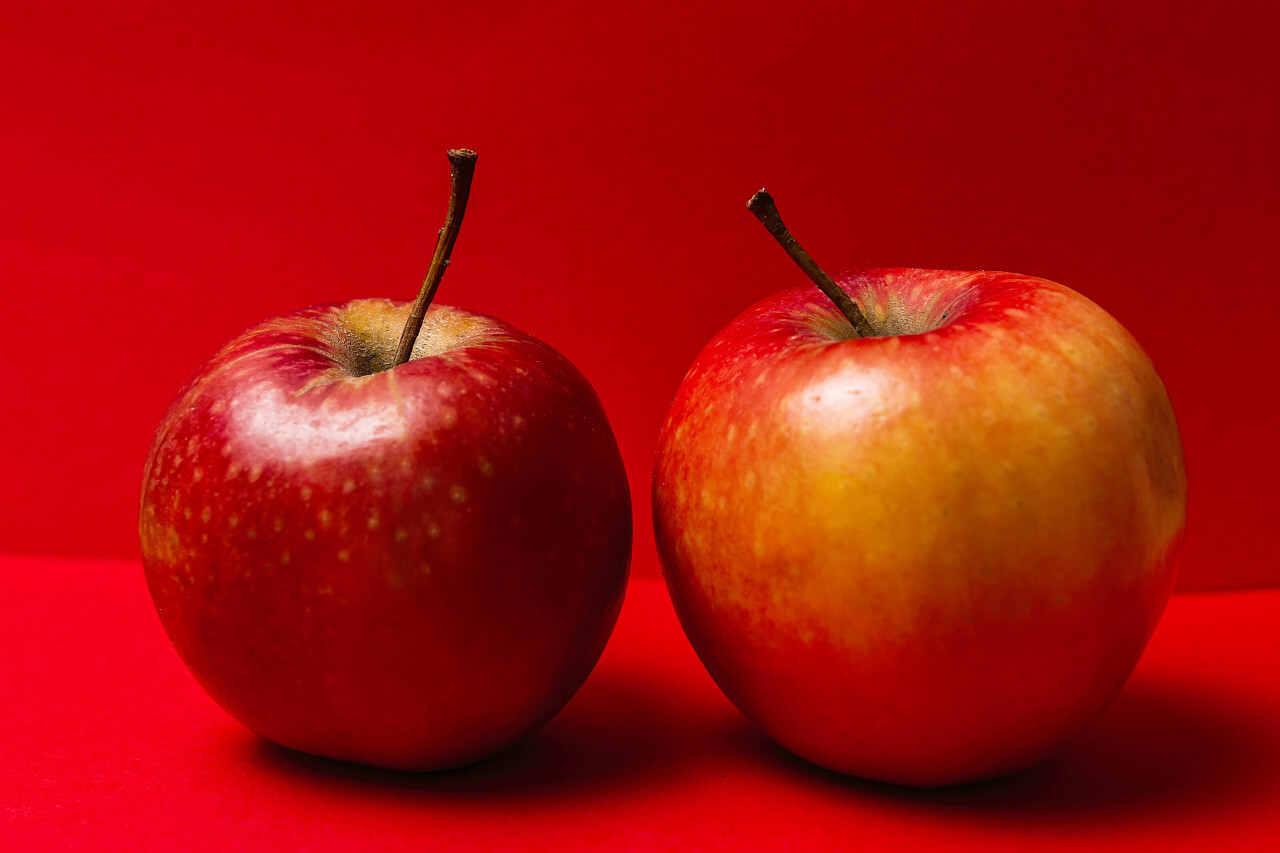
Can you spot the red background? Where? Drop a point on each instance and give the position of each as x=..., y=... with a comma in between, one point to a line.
x=173, y=173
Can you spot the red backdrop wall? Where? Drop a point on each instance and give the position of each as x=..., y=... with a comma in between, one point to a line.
x=173, y=173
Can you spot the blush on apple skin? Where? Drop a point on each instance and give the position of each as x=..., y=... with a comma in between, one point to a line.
x=929, y=557
x=409, y=568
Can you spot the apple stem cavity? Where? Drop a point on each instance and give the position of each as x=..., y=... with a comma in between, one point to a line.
x=761, y=204
x=462, y=164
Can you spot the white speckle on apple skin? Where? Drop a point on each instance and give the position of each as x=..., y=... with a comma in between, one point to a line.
x=309, y=534
x=373, y=521
x=458, y=494
x=254, y=473
x=306, y=493
x=348, y=486
x=401, y=534
x=206, y=514
x=344, y=555
x=325, y=517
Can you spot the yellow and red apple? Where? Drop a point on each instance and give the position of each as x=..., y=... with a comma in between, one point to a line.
x=934, y=553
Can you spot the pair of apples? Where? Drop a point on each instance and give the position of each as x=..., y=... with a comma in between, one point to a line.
x=919, y=525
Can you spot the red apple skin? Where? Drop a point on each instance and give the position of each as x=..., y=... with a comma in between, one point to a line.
x=927, y=558
x=409, y=569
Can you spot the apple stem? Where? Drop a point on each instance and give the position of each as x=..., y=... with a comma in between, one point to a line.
x=462, y=164
x=761, y=204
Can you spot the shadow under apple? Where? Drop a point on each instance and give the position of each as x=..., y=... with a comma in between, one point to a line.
x=1160, y=747
x=619, y=731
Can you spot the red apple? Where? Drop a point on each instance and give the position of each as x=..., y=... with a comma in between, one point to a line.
x=934, y=553
x=406, y=565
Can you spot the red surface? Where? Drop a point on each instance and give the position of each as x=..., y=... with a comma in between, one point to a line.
x=171, y=174
x=107, y=742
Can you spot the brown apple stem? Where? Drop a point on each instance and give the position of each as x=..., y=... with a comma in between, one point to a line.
x=462, y=167
x=761, y=204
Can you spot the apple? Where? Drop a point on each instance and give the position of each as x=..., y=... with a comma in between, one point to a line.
x=407, y=562
x=928, y=553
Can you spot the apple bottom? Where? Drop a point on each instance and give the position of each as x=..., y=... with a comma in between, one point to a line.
x=401, y=692
x=948, y=703
x=421, y=654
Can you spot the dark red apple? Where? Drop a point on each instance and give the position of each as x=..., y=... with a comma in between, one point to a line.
x=933, y=551
x=409, y=565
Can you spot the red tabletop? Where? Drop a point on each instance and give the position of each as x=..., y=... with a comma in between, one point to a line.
x=107, y=742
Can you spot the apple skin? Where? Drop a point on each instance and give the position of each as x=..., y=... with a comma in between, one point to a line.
x=930, y=557
x=410, y=568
